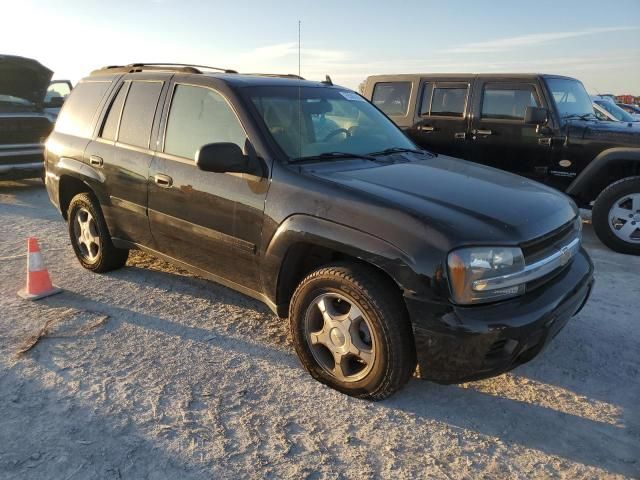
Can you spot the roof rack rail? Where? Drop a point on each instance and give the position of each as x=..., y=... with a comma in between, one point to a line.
x=141, y=66
x=276, y=75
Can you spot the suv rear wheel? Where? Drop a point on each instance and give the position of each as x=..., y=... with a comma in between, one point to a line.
x=90, y=237
x=351, y=331
x=616, y=216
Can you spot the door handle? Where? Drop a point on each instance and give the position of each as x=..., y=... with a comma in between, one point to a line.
x=483, y=132
x=95, y=160
x=460, y=135
x=426, y=128
x=164, y=181
x=546, y=141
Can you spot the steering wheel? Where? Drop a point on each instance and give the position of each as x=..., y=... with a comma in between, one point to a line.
x=337, y=131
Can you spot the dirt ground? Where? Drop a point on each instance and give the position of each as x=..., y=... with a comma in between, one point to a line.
x=149, y=372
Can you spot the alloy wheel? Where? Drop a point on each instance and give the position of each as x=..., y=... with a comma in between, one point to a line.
x=340, y=337
x=624, y=218
x=86, y=235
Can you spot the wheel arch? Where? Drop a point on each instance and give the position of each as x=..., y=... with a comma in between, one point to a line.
x=75, y=177
x=607, y=167
x=303, y=243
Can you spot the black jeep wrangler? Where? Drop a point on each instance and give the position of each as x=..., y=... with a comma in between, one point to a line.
x=303, y=195
x=539, y=126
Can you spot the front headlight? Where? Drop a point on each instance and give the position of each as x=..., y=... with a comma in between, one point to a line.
x=470, y=267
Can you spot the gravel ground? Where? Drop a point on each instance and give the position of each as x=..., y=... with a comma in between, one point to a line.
x=150, y=372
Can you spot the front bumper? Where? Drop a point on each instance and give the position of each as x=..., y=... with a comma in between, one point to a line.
x=21, y=161
x=457, y=344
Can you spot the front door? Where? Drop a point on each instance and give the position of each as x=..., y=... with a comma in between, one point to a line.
x=212, y=221
x=499, y=135
x=441, y=120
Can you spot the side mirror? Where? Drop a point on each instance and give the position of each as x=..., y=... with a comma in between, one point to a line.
x=55, y=102
x=224, y=157
x=535, y=115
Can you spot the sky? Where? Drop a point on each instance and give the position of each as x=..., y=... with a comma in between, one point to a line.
x=597, y=42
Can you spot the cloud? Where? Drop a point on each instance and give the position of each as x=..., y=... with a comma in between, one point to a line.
x=512, y=43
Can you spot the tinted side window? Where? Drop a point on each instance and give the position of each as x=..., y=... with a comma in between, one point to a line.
x=199, y=116
x=507, y=103
x=427, y=90
x=78, y=111
x=392, y=97
x=138, y=113
x=110, y=127
x=449, y=101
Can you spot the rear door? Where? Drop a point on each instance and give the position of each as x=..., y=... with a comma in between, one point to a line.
x=500, y=137
x=441, y=122
x=123, y=152
x=212, y=221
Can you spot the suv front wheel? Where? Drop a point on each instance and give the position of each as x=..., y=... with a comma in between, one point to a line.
x=351, y=331
x=90, y=237
x=616, y=216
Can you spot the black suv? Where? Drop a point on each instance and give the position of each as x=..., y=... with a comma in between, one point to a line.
x=539, y=126
x=303, y=195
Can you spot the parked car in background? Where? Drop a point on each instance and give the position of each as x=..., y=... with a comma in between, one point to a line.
x=633, y=110
x=24, y=124
x=56, y=95
x=540, y=126
x=303, y=195
x=609, y=111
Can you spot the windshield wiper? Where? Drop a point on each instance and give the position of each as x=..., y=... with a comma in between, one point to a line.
x=389, y=151
x=331, y=156
x=583, y=116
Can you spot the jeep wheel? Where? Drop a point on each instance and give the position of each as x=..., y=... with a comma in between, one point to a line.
x=90, y=237
x=351, y=331
x=616, y=216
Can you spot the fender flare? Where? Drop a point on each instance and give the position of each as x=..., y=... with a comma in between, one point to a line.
x=306, y=229
x=603, y=161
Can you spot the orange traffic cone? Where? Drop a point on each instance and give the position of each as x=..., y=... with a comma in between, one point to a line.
x=38, y=281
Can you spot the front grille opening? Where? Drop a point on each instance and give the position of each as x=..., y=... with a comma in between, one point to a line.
x=546, y=245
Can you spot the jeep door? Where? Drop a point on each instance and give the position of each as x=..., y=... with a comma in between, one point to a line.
x=212, y=221
x=499, y=135
x=441, y=117
x=122, y=153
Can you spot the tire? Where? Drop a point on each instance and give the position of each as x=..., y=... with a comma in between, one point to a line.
x=616, y=212
x=380, y=331
x=96, y=251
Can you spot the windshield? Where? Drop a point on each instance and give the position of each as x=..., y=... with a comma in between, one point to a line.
x=570, y=97
x=311, y=121
x=615, y=111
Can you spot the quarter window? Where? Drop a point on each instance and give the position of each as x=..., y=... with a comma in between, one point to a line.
x=449, y=101
x=199, y=116
x=110, y=126
x=392, y=97
x=138, y=113
x=507, y=103
x=76, y=117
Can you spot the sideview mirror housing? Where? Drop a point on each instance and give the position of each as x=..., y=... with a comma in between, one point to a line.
x=535, y=115
x=225, y=157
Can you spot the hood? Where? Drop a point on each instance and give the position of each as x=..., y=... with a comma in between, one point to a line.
x=24, y=78
x=621, y=134
x=467, y=202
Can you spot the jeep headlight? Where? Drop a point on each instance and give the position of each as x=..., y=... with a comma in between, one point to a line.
x=470, y=268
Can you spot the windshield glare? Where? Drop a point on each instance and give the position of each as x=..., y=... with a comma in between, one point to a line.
x=311, y=121
x=616, y=111
x=570, y=97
